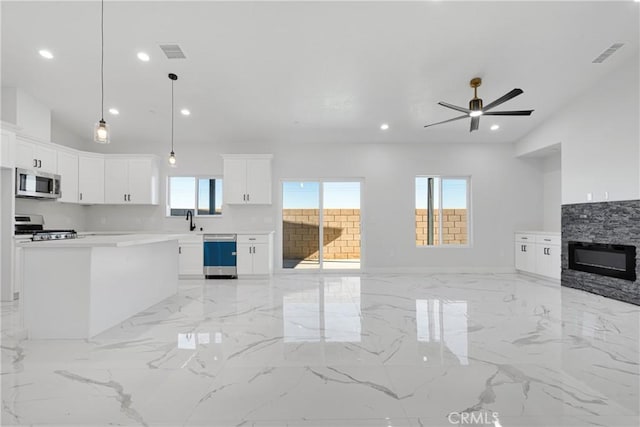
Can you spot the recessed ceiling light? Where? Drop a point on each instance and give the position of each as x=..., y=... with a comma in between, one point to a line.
x=143, y=57
x=114, y=111
x=185, y=112
x=495, y=127
x=46, y=54
x=384, y=126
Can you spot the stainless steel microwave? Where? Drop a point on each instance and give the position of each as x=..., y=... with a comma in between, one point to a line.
x=37, y=184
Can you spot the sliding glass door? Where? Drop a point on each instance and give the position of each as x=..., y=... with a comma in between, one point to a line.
x=321, y=225
x=301, y=225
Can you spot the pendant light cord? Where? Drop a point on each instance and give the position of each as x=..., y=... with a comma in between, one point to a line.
x=172, y=81
x=102, y=56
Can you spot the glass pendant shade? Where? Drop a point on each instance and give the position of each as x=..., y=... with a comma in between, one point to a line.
x=172, y=159
x=101, y=133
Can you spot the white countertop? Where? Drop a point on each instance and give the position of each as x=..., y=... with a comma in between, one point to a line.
x=547, y=233
x=94, y=241
x=184, y=233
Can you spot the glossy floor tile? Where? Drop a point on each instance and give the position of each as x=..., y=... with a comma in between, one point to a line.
x=363, y=350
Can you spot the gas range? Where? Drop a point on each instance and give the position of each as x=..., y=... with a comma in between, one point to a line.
x=33, y=226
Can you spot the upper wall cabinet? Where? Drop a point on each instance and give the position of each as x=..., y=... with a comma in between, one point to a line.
x=90, y=178
x=68, y=171
x=131, y=180
x=31, y=155
x=247, y=179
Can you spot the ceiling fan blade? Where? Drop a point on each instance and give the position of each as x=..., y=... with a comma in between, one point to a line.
x=503, y=98
x=509, y=113
x=447, y=121
x=475, y=122
x=455, y=107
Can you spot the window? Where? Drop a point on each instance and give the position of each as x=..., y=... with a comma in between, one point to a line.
x=185, y=193
x=442, y=211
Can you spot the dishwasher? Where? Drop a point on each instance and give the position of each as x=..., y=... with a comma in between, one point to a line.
x=220, y=256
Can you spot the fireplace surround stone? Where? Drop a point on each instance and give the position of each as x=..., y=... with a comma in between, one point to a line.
x=609, y=223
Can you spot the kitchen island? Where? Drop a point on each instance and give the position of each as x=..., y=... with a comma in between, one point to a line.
x=77, y=288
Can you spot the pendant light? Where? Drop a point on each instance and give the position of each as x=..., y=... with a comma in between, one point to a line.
x=172, y=155
x=101, y=133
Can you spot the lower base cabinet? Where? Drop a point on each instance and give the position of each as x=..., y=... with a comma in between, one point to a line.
x=538, y=253
x=255, y=254
x=190, y=256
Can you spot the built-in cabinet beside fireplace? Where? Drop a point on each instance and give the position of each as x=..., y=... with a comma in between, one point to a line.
x=538, y=252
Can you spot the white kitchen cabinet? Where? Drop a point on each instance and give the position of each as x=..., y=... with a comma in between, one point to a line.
x=131, y=180
x=548, y=256
x=525, y=252
x=68, y=171
x=90, y=179
x=190, y=256
x=7, y=149
x=255, y=254
x=538, y=253
x=247, y=179
x=35, y=156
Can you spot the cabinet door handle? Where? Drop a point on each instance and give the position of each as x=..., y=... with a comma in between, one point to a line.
x=179, y=249
x=40, y=163
x=248, y=198
x=80, y=196
x=525, y=247
x=35, y=163
x=244, y=197
x=129, y=197
x=125, y=197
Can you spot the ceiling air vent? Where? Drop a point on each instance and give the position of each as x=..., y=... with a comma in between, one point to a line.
x=172, y=51
x=607, y=53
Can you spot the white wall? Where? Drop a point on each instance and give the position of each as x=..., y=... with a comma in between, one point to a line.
x=600, y=139
x=551, y=192
x=21, y=109
x=507, y=195
x=61, y=135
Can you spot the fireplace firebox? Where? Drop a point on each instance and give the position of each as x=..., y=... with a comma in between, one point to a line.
x=604, y=259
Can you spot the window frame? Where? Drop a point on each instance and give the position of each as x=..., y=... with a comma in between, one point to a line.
x=197, y=179
x=469, y=243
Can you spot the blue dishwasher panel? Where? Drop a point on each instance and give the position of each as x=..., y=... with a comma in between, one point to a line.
x=219, y=254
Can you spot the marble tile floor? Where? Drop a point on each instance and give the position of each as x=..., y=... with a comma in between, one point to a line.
x=322, y=350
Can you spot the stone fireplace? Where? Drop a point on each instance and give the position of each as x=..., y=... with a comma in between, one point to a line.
x=600, y=248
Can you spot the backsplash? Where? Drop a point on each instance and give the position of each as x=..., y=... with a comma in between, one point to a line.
x=56, y=215
x=606, y=222
x=153, y=218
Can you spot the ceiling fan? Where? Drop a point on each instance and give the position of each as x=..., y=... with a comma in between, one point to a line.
x=476, y=109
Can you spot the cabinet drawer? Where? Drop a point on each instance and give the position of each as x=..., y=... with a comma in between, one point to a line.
x=253, y=238
x=525, y=238
x=548, y=240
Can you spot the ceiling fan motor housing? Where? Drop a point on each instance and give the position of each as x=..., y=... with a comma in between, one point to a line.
x=475, y=104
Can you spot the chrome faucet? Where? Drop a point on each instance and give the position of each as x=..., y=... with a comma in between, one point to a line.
x=192, y=225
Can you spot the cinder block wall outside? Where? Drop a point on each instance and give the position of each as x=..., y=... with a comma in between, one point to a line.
x=454, y=226
x=341, y=233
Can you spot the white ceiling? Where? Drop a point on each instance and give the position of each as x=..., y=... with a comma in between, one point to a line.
x=311, y=72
